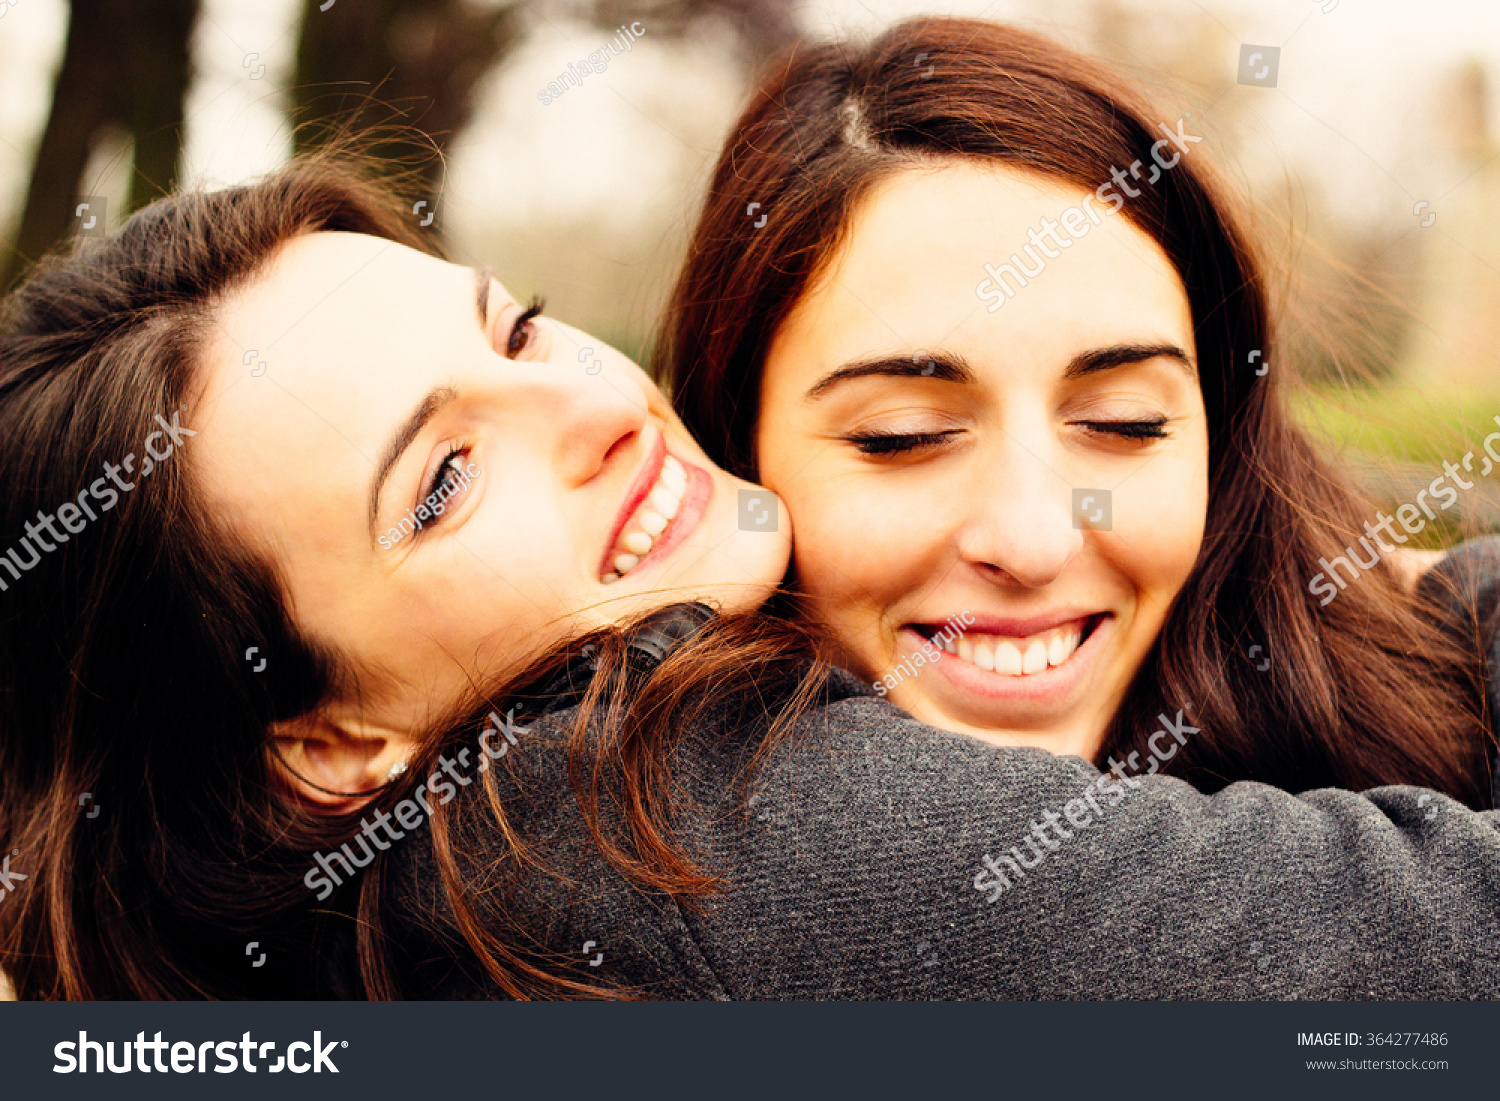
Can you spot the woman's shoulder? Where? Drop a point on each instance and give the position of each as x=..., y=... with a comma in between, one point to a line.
x=1464, y=588
x=850, y=762
x=538, y=873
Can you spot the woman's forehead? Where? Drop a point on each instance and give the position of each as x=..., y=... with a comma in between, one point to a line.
x=920, y=247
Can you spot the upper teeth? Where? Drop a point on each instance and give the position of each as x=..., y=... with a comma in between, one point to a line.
x=641, y=531
x=1018, y=656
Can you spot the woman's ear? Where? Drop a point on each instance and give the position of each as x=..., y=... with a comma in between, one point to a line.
x=336, y=765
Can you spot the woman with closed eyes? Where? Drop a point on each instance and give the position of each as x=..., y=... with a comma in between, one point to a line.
x=996, y=348
x=551, y=709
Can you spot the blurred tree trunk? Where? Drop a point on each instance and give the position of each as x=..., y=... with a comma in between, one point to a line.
x=160, y=69
x=395, y=72
x=82, y=102
x=382, y=69
x=122, y=66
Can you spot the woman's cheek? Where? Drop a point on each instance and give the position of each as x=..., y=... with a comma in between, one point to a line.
x=1158, y=519
x=854, y=551
x=846, y=545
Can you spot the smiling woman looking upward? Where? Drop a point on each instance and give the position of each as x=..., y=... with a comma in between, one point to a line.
x=388, y=371
x=418, y=375
x=934, y=419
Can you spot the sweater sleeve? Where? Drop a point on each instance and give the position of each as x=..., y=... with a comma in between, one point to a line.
x=881, y=858
x=876, y=857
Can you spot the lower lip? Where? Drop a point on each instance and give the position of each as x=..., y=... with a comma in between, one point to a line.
x=690, y=512
x=1055, y=686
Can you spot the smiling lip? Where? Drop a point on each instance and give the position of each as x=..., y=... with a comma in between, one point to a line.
x=645, y=478
x=1046, y=688
x=695, y=499
x=679, y=489
x=1020, y=627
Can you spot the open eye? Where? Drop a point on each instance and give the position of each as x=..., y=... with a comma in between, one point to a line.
x=522, y=332
x=449, y=482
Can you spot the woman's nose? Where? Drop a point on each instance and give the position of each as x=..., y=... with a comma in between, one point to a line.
x=577, y=416
x=1020, y=525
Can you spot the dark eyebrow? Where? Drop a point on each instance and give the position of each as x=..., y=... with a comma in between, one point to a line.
x=401, y=439
x=1122, y=355
x=943, y=366
x=947, y=367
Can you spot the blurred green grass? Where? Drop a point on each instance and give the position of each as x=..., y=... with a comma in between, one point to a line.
x=1402, y=424
x=1387, y=431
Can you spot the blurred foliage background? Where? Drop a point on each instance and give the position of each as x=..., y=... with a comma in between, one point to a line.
x=1372, y=165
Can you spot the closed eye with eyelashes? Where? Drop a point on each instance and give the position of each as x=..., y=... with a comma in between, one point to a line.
x=880, y=443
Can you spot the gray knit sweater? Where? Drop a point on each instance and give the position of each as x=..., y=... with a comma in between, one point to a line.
x=882, y=858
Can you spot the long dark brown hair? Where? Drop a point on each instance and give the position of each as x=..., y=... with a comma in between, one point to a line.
x=1366, y=691
x=139, y=798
